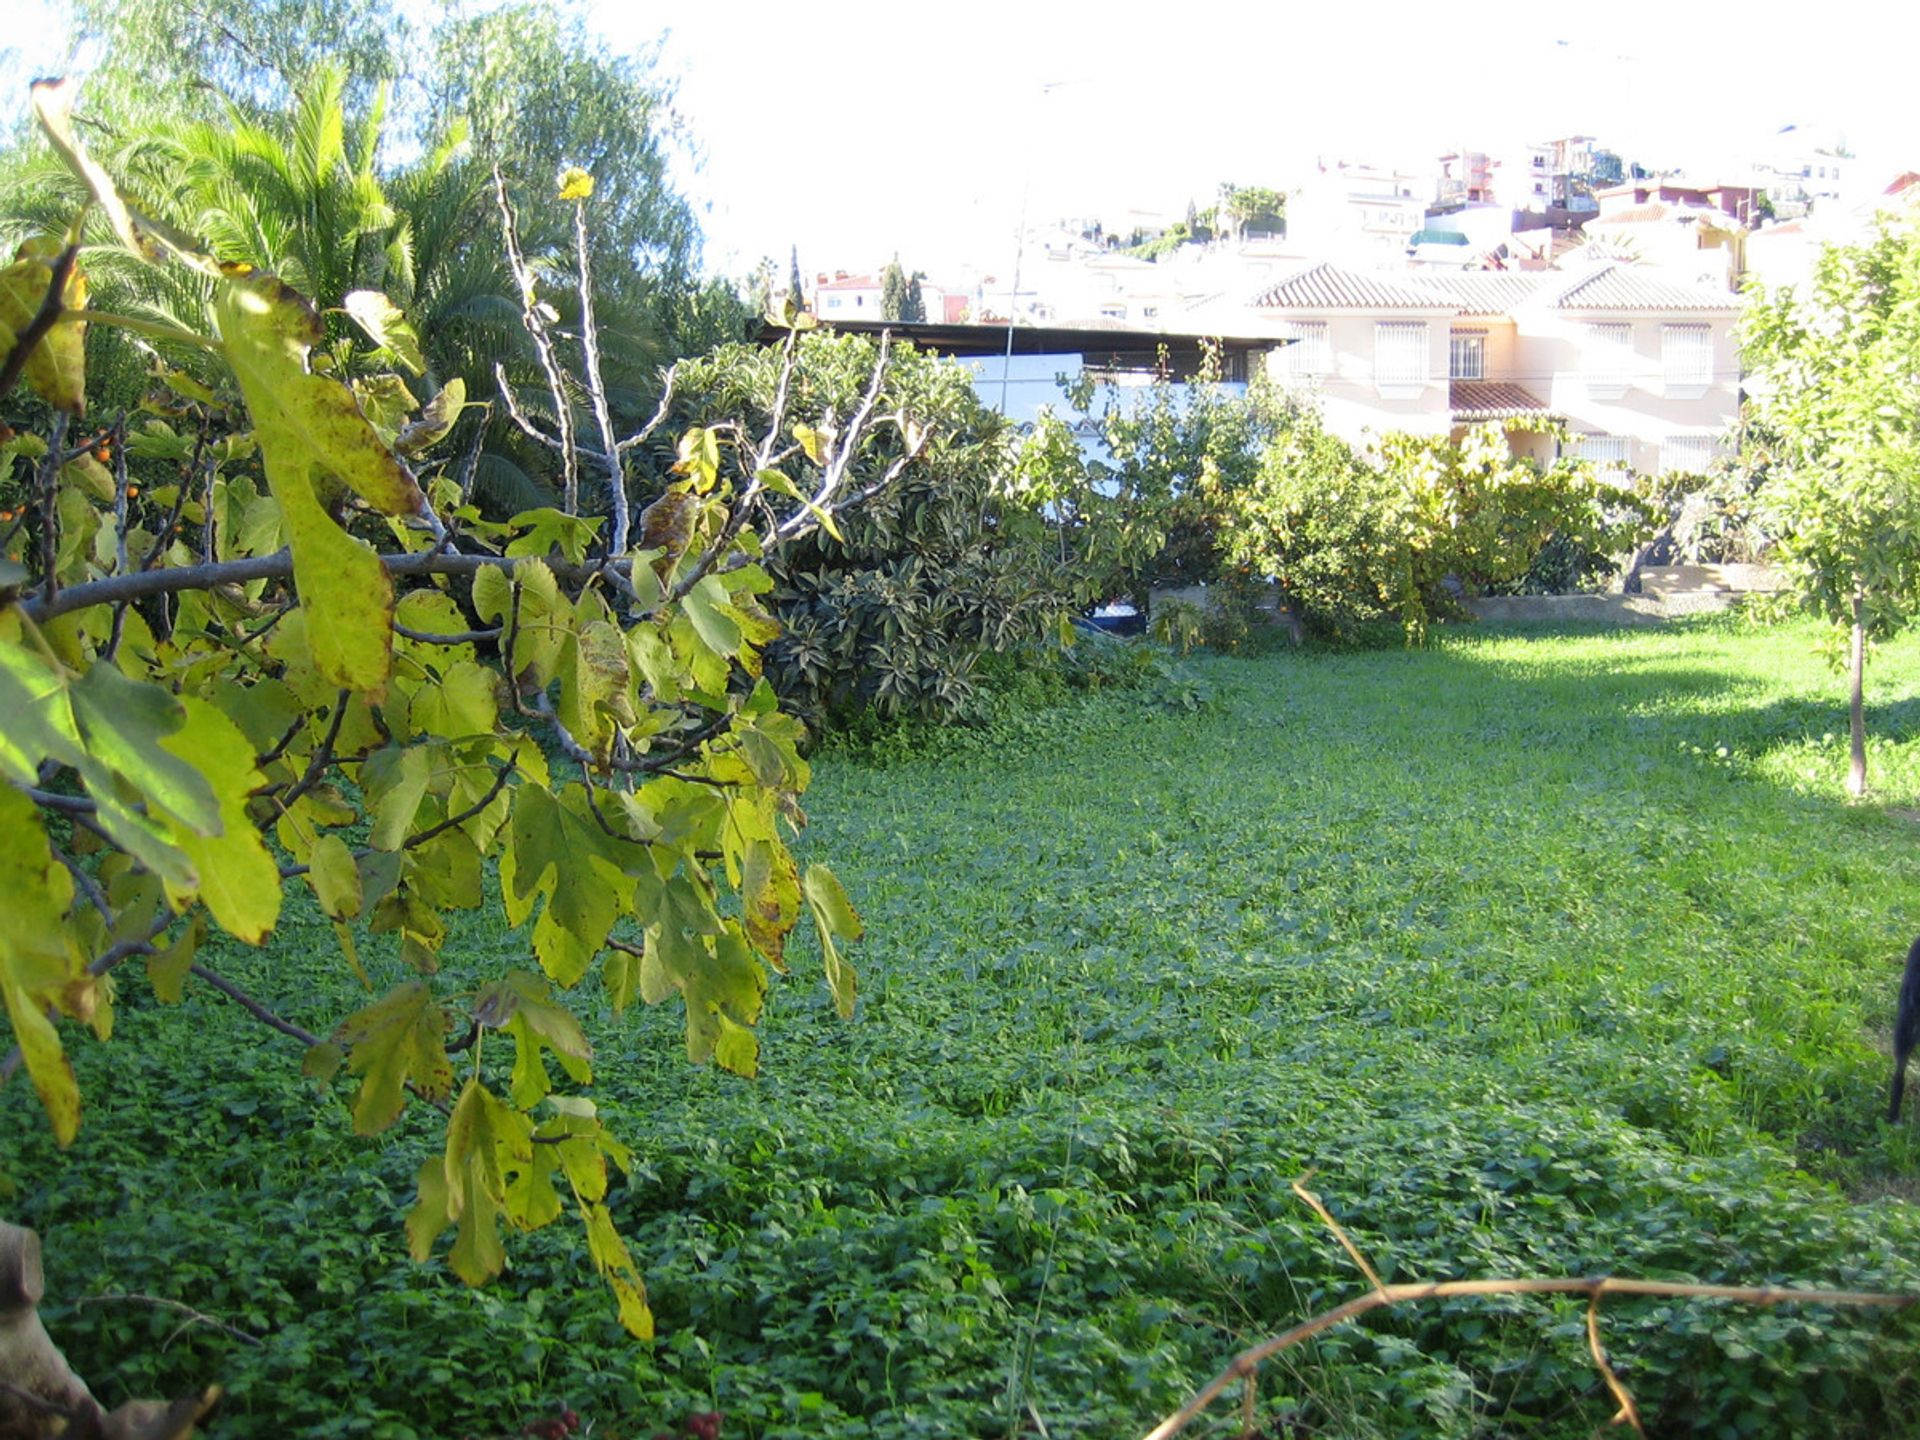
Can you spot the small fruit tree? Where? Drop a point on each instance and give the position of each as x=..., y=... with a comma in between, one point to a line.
x=1834, y=365
x=255, y=635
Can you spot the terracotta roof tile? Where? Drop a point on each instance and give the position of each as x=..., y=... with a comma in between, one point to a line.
x=1492, y=400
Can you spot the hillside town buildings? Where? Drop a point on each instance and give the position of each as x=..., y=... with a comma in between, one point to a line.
x=1550, y=286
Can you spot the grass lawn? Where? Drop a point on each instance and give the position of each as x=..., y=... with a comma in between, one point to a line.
x=1546, y=954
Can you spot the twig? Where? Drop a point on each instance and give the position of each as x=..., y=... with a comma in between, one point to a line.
x=537, y=328
x=322, y=756
x=260, y=762
x=596, y=387
x=432, y=832
x=1246, y=1364
x=252, y=1006
x=1627, y=1412
x=279, y=566
x=89, y=887
x=194, y=1317
x=65, y=804
x=457, y=637
x=159, y=546
x=519, y=416
x=133, y=945
x=470, y=466
x=119, y=443
x=1313, y=1201
x=645, y=432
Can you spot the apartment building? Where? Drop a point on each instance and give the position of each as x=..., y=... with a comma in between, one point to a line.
x=1642, y=369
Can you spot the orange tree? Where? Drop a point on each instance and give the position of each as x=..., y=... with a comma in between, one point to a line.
x=254, y=635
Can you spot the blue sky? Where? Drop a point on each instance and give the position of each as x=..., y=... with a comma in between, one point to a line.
x=854, y=129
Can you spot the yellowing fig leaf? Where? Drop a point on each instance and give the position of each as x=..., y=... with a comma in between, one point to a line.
x=595, y=686
x=712, y=615
x=526, y=1006
x=386, y=402
x=769, y=898
x=53, y=108
x=167, y=969
x=387, y=326
x=314, y=438
x=56, y=367
x=435, y=420
x=610, y=1258
x=239, y=881
x=834, y=918
x=37, y=959
x=484, y=1139
x=400, y=1038
x=334, y=877
x=554, y=852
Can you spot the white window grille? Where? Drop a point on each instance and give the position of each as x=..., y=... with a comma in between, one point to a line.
x=1310, y=353
x=1467, y=355
x=1686, y=454
x=1606, y=453
x=1609, y=358
x=1686, y=356
x=1400, y=354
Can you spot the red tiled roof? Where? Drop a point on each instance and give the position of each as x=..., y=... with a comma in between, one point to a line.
x=1633, y=215
x=1329, y=287
x=1493, y=400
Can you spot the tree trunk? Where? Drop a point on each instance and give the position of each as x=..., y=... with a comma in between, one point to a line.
x=1856, y=676
x=40, y=1396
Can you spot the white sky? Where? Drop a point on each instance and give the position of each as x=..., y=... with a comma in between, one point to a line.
x=857, y=128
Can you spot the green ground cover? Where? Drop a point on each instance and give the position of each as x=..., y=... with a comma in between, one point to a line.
x=1550, y=955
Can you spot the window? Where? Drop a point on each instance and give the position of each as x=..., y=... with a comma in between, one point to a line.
x=1467, y=355
x=1687, y=454
x=1686, y=357
x=1609, y=359
x=1607, y=454
x=1400, y=355
x=1310, y=353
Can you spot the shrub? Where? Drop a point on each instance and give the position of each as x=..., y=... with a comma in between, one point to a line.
x=893, y=611
x=1404, y=535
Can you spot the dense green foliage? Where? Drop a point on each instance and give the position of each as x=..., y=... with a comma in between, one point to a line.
x=1834, y=366
x=1149, y=507
x=1550, y=955
x=900, y=295
x=894, y=608
x=1400, y=534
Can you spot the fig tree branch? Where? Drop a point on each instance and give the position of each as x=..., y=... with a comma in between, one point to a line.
x=1246, y=1365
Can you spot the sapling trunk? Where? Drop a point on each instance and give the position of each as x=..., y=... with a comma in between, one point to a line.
x=1856, y=677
